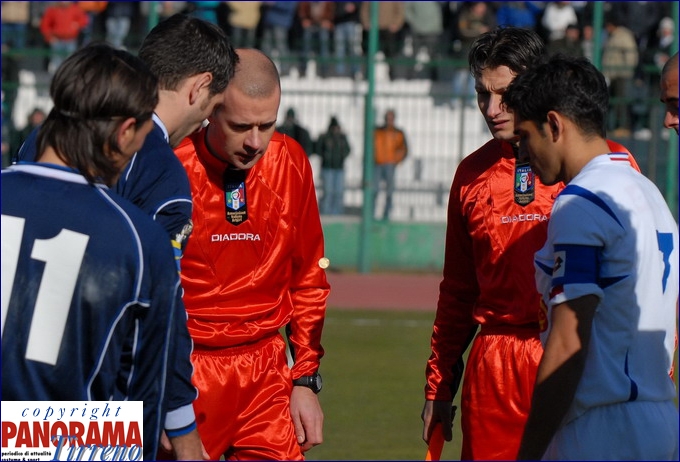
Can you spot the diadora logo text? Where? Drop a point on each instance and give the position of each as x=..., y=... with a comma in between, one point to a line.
x=523, y=217
x=234, y=237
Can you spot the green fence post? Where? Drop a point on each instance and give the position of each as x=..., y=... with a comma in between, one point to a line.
x=369, y=114
x=598, y=21
x=153, y=16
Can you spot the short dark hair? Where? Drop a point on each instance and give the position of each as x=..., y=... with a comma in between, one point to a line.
x=568, y=85
x=514, y=47
x=182, y=46
x=94, y=91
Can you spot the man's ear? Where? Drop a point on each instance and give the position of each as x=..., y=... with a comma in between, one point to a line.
x=200, y=82
x=556, y=124
x=126, y=133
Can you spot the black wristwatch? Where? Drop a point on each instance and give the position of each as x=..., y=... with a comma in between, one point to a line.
x=312, y=382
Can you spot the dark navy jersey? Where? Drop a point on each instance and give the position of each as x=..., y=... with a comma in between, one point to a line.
x=154, y=181
x=91, y=301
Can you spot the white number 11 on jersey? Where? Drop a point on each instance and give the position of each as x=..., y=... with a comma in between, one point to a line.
x=63, y=256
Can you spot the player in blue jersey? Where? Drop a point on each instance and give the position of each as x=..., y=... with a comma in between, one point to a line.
x=193, y=61
x=608, y=274
x=89, y=289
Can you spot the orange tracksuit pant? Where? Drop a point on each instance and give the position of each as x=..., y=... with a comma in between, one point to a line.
x=243, y=405
x=497, y=388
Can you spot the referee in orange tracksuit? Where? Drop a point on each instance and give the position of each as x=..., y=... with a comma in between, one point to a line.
x=253, y=265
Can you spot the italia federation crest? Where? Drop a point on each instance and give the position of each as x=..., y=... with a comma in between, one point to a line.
x=235, y=197
x=525, y=184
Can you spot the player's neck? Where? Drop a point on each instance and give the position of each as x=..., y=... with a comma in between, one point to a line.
x=169, y=110
x=581, y=153
x=49, y=156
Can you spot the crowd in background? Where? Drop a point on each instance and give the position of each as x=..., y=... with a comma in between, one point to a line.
x=333, y=31
x=417, y=39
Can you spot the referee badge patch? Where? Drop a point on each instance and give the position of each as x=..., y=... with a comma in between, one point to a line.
x=525, y=184
x=236, y=207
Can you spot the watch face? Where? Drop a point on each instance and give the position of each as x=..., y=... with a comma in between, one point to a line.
x=318, y=383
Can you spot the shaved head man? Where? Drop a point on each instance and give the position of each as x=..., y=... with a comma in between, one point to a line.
x=252, y=267
x=669, y=92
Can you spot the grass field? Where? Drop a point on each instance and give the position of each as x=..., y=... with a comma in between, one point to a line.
x=374, y=373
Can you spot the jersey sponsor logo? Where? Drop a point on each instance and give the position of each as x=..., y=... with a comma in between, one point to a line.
x=505, y=219
x=235, y=237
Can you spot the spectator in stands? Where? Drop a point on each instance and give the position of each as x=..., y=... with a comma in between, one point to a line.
x=316, y=20
x=10, y=67
x=391, y=22
x=390, y=149
x=669, y=92
x=665, y=39
x=620, y=57
x=642, y=19
x=556, y=17
x=656, y=56
x=475, y=19
x=118, y=20
x=347, y=38
x=93, y=11
x=518, y=14
x=292, y=128
x=587, y=42
x=35, y=118
x=7, y=130
x=60, y=27
x=15, y=19
x=570, y=44
x=277, y=19
x=204, y=10
x=333, y=148
x=425, y=24
x=163, y=9
x=243, y=19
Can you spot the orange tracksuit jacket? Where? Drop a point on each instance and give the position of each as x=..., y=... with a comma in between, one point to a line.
x=244, y=282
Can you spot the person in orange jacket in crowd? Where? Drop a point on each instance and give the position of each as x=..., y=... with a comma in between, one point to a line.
x=60, y=26
x=391, y=149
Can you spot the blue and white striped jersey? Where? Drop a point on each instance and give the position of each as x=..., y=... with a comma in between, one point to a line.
x=612, y=235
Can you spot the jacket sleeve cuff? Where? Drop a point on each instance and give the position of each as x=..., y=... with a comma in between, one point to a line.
x=180, y=421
